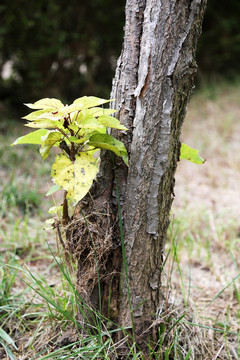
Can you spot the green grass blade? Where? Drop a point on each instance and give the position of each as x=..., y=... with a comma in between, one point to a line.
x=176, y=322
x=7, y=338
x=210, y=328
x=8, y=351
x=188, y=354
x=230, y=283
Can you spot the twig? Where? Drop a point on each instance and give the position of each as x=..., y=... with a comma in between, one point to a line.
x=60, y=237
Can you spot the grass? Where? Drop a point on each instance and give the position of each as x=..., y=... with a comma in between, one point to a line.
x=206, y=214
x=38, y=301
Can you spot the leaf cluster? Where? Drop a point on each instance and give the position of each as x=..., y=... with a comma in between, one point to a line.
x=78, y=130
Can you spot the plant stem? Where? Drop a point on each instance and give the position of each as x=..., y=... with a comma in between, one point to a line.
x=65, y=217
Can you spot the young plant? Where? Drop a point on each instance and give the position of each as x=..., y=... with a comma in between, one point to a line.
x=78, y=130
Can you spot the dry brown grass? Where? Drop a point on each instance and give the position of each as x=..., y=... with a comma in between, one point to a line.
x=207, y=213
x=213, y=127
x=206, y=227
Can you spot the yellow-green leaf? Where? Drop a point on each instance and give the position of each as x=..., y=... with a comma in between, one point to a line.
x=53, y=189
x=97, y=111
x=87, y=102
x=111, y=122
x=75, y=128
x=34, y=115
x=89, y=122
x=76, y=140
x=51, y=137
x=76, y=177
x=34, y=137
x=51, y=115
x=56, y=210
x=48, y=142
x=77, y=116
x=190, y=154
x=105, y=141
x=44, y=151
x=45, y=123
x=46, y=103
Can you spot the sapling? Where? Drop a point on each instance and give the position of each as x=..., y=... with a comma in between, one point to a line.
x=78, y=131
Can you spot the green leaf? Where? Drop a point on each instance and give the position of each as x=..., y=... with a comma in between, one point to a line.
x=76, y=177
x=87, y=102
x=104, y=141
x=77, y=117
x=92, y=150
x=34, y=115
x=53, y=189
x=77, y=140
x=51, y=137
x=90, y=123
x=75, y=128
x=95, y=111
x=44, y=151
x=34, y=137
x=48, y=142
x=56, y=209
x=53, y=115
x=46, y=103
x=125, y=157
x=111, y=122
x=187, y=153
x=45, y=123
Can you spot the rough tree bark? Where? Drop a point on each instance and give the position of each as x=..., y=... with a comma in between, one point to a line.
x=152, y=86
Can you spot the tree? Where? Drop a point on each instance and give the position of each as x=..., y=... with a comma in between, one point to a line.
x=152, y=86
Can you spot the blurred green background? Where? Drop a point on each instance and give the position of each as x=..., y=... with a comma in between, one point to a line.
x=69, y=48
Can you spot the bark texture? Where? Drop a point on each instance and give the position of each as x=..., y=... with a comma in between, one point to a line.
x=153, y=84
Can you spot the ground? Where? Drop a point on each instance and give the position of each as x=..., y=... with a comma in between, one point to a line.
x=204, y=240
x=206, y=215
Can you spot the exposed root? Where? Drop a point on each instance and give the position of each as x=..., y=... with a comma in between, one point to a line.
x=88, y=240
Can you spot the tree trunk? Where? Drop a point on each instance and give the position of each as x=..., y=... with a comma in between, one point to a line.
x=152, y=86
